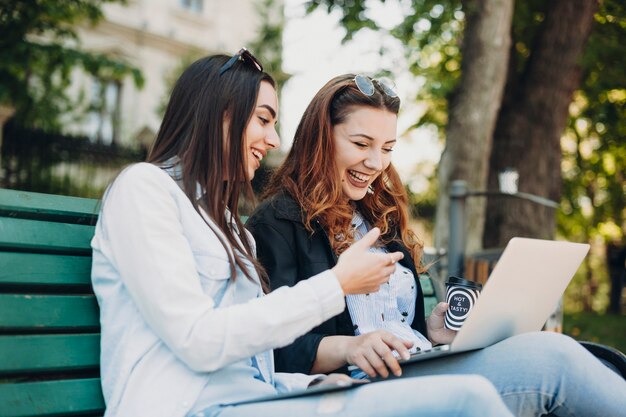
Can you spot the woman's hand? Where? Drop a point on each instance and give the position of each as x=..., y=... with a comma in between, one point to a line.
x=360, y=271
x=372, y=352
x=437, y=332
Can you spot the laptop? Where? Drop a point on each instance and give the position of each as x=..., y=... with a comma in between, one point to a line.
x=522, y=291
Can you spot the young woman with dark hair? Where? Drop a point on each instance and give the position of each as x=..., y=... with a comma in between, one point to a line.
x=336, y=184
x=187, y=329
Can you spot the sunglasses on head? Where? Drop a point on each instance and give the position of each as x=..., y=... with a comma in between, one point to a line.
x=243, y=55
x=366, y=86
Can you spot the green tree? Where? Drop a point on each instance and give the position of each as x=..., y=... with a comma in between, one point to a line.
x=594, y=154
x=39, y=49
x=544, y=72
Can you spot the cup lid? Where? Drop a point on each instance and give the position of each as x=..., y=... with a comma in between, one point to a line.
x=452, y=280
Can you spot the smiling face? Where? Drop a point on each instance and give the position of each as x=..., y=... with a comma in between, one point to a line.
x=363, y=145
x=260, y=134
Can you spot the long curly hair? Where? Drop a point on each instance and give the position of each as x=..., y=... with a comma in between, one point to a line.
x=308, y=174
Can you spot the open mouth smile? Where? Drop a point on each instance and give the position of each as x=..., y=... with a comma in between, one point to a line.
x=358, y=179
x=257, y=154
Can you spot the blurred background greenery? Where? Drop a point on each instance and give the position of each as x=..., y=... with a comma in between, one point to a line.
x=609, y=329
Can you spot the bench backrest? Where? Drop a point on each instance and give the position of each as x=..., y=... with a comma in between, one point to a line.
x=49, y=319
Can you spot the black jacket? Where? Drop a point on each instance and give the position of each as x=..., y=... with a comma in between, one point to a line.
x=290, y=254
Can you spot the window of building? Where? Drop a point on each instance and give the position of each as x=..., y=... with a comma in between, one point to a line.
x=103, y=119
x=194, y=6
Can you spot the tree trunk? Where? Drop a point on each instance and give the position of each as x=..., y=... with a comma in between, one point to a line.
x=531, y=121
x=473, y=111
x=616, y=263
x=5, y=114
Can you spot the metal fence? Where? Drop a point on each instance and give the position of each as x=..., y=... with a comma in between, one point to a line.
x=37, y=161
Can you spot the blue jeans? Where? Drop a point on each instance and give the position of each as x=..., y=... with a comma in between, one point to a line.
x=539, y=373
x=434, y=396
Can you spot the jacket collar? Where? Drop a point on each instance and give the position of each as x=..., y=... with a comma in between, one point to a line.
x=286, y=208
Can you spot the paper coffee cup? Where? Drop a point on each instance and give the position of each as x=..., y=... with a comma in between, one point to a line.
x=461, y=295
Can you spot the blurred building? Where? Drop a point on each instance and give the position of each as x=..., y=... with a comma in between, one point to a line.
x=155, y=36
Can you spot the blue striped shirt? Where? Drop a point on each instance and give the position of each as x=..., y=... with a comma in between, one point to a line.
x=392, y=308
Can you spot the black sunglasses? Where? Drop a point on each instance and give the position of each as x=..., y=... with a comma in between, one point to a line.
x=243, y=55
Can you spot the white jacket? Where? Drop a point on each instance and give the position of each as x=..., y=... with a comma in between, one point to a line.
x=177, y=334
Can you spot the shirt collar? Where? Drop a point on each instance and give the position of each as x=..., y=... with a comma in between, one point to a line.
x=357, y=220
x=174, y=169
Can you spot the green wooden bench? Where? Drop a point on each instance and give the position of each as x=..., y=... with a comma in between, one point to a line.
x=49, y=320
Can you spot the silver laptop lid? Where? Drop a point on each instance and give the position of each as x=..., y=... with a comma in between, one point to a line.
x=521, y=292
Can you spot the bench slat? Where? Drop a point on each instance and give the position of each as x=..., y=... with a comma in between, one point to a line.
x=45, y=236
x=18, y=268
x=24, y=204
x=19, y=354
x=48, y=398
x=24, y=311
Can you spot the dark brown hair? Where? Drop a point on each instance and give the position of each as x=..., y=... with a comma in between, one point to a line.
x=192, y=130
x=309, y=176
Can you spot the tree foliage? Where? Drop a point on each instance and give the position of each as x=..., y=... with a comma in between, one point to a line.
x=594, y=155
x=594, y=148
x=39, y=49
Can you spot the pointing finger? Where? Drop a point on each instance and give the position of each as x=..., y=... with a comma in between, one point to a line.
x=368, y=239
